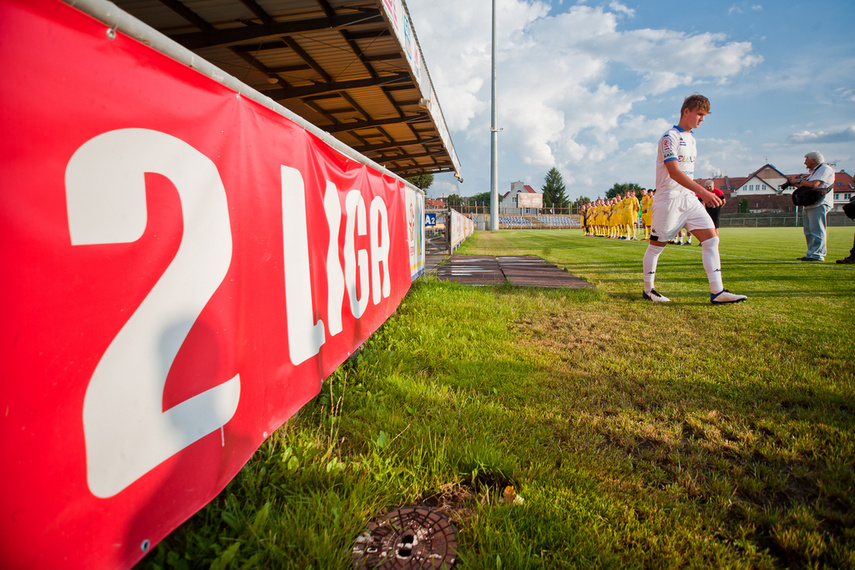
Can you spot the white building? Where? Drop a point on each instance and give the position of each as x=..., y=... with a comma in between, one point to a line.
x=521, y=199
x=763, y=190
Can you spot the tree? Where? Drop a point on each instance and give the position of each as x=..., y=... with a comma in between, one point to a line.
x=581, y=201
x=620, y=189
x=482, y=199
x=553, y=189
x=422, y=181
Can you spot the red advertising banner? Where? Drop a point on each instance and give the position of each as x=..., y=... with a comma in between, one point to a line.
x=182, y=267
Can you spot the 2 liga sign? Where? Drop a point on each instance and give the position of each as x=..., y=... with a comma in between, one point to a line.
x=126, y=431
x=182, y=268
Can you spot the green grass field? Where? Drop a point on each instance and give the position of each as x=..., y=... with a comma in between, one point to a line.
x=638, y=434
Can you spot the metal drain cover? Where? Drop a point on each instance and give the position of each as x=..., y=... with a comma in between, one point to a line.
x=410, y=537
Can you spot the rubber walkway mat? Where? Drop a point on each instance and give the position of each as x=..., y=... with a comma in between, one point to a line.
x=519, y=271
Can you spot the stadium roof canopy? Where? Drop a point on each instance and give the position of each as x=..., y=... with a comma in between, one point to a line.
x=352, y=68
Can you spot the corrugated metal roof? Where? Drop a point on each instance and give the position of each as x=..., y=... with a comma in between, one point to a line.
x=339, y=64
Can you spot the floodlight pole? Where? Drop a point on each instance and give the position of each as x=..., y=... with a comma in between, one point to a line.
x=494, y=135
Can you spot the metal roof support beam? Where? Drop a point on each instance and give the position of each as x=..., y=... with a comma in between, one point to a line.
x=385, y=134
x=304, y=55
x=320, y=88
x=372, y=35
x=325, y=6
x=188, y=14
x=406, y=102
x=321, y=111
x=258, y=66
x=323, y=96
x=376, y=123
x=397, y=145
x=434, y=154
x=422, y=170
x=285, y=68
x=391, y=88
x=354, y=46
x=356, y=106
x=379, y=58
x=259, y=12
x=210, y=38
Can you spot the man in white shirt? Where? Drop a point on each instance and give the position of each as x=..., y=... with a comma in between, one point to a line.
x=814, y=216
x=676, y=203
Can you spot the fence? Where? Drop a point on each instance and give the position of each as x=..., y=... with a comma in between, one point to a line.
x=538, y=222
x=484, y=209
x=567, y=220
x=777, y=220
x=551, y=222
x=564, y=217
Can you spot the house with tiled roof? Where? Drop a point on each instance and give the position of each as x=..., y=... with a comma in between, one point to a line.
x=764, y=191
x=521, y=199
x=761, y=191
x=727, y=184
x=844, y=189
x=764, y=180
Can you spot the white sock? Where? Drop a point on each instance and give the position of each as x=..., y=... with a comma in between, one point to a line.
x=712, y=264
x=651, y=259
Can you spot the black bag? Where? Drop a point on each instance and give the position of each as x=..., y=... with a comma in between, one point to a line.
x=849, y=209
x=804, y=196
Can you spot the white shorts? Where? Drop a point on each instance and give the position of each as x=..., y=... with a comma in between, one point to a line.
x=671, y=214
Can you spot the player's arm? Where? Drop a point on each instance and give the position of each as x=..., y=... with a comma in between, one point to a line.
x=682, y=179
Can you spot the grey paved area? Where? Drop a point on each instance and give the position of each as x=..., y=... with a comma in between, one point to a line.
x=519, y=271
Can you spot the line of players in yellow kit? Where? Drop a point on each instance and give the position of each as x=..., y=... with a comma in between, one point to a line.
x=616, y=217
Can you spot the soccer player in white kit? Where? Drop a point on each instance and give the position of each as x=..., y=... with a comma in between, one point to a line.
x=676, y=203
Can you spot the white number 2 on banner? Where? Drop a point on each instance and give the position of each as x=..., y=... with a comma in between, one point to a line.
x=127, y=433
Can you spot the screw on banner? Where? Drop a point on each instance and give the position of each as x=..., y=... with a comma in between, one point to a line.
x=111, y=33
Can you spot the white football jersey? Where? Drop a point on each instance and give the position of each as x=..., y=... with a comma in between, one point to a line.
x=675, y=144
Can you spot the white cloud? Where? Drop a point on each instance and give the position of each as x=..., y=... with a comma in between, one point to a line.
x=676, y=58
x=442, y=188
x=844, y=135
x=620, y=8
x=459, y=106
x=740, y=8
x=568, y=83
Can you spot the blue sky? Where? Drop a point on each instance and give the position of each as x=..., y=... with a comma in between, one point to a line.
x=588, y=87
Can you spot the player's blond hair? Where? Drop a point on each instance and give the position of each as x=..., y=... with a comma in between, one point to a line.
x=694, y=102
